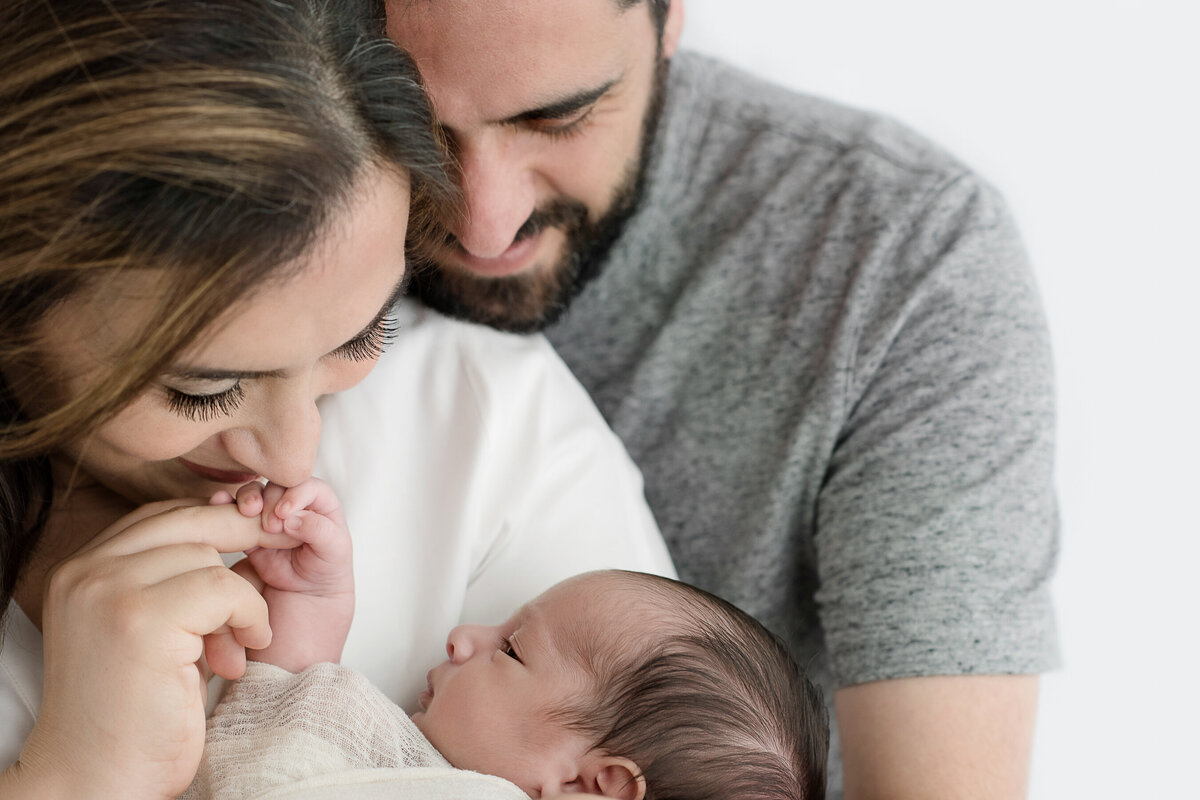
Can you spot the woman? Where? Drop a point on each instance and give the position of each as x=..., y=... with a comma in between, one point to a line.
x=202, y=230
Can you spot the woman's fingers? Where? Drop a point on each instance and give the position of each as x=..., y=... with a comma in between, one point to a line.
x=245, y=568
x=198, y=602
x=220, y=527
x=133, y=518
x=223, y=654
x=157, y=564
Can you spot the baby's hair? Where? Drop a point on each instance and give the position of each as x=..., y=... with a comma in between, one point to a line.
x=714, y=707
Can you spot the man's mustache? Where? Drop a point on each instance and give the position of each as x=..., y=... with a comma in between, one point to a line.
x=561, y=213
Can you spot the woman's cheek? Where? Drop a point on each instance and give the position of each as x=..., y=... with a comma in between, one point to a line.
x=346, y=374
x=149, y=431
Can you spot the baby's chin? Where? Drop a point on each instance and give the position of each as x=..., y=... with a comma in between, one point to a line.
x=420, y=720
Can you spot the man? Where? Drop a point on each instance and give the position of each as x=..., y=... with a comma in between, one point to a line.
x=816, y=334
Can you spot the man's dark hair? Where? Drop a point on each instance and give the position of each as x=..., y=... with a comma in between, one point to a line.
x=715, y=708
x=658, y=9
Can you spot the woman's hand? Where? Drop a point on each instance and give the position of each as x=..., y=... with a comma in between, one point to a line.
x=128, y=623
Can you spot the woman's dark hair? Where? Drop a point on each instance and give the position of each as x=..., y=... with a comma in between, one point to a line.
x=710, y=707
x=213, y=142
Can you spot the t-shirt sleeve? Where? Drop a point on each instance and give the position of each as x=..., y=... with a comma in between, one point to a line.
x=937, y=526
x=560, y=495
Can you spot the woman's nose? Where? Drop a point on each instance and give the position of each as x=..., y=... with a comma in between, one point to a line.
x=282, y=445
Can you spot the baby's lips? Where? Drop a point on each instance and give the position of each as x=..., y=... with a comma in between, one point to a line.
x=426, y=695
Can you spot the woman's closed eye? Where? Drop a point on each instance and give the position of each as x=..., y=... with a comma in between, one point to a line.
x=204, y=407
x=371, y=343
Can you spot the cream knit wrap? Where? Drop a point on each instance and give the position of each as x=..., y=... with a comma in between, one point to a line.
x=326, y=733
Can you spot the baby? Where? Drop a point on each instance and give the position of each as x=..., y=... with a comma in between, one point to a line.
x=611, y=683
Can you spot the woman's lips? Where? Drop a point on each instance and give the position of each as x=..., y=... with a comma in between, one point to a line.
x=218, y=475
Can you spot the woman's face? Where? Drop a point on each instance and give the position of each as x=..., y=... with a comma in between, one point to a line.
x=241, y=404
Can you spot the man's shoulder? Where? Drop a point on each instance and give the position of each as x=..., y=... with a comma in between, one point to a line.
x=799, y=133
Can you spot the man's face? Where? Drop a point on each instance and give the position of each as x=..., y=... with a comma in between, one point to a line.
x=550, y=108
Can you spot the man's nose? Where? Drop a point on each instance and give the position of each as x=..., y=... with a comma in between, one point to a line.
x=498, y=194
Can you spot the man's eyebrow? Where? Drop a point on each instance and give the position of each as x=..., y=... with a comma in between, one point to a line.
x=187, y=373
x=564, y=107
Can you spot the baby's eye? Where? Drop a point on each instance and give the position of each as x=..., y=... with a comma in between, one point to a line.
x=507, y=647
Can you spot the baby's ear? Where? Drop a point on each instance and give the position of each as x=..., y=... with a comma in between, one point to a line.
x=610, y=776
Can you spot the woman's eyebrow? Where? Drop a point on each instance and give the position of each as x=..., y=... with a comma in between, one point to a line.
x=205, y=374
x=187, y=373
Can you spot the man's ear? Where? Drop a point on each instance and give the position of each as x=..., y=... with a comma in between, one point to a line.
x=672, y=28
x=609, y=776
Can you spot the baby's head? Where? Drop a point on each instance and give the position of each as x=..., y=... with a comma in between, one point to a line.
x=633, y=686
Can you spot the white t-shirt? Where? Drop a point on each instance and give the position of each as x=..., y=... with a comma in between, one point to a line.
x=474, y=472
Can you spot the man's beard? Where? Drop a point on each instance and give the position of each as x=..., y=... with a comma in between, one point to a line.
x=530, y=302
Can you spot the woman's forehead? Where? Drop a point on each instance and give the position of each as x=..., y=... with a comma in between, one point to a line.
x=307, y=309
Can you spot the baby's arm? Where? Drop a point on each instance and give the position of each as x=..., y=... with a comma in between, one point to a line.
x=309, y=589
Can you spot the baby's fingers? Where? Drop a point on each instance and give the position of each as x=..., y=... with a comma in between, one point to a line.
x=272, y=518
x=329, y=541
x=313, y=494
x=250, y=499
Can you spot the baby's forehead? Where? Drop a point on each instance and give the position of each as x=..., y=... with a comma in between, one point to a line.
x=604, y=610
x=599, y=593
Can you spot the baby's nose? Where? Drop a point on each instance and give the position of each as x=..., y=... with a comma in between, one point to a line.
x=462, y=642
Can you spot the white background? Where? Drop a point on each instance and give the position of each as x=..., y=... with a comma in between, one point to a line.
x=1085, y=114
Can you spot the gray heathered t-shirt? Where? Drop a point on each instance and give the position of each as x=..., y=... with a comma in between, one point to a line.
x=821, y=342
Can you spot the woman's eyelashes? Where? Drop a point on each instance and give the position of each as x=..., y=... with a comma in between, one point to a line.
x=370, y=344
x=204, y=407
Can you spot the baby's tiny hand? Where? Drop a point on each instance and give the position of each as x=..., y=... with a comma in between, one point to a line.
x=309, y=588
